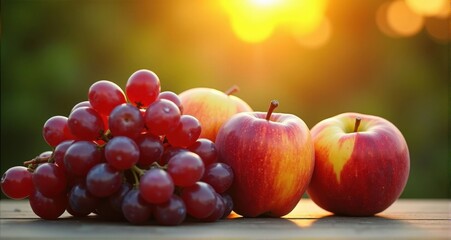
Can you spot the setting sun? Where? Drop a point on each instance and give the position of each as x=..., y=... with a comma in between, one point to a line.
x=255, y=20
x=264, y=2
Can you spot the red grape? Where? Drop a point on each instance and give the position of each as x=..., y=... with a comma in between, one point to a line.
x=219, y=176
x=228, y=205
x=186, y=133
x=88, y=105
x=60, y=151
x=48, y=208
x=56, y=130
x=46, y=154
x=185, y=168
x=218, y=212
x=135, y=209
x=173, y=97
x=156, y=186
x=50, y=180
x=121, y=152
x=170, y=213
x=81, y=201
x=200, y=200
x=150, y=147
x=85, y=124
x=143, y=88
x=161, y=117
x=17, y=182
x=103, y=180
x=81, y=104
x=104, y=96
x=126, y=120
x=81, y=156
x=206, y=149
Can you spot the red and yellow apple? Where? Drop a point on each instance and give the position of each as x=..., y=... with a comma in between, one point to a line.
x=212, y=108
x=272, y=158
x=361, y=164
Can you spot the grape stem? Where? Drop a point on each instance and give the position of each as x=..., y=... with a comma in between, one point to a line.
x=34, y=163
x=136, y=178
x=233, y=89
x=137, y=173
x=157, y=165
x=107, y=136
x=138, y=170
x=274, y=104
x=38, y=160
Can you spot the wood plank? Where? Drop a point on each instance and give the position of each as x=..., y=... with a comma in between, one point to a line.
x=405, y=219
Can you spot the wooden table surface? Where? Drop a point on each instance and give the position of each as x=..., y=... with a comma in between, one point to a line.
x=405, y=219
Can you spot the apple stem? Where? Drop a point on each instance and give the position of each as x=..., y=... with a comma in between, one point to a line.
x=357, y=123
x=233, y=89
x=272, y=106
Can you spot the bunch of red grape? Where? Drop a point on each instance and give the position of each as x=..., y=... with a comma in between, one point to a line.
x=139, y=159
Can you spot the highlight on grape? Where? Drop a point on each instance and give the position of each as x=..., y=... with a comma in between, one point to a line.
x=131, y=156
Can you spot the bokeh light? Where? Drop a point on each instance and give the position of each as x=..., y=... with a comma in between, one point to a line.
x=402, y=20
x=382, y=20
x=405, y=18
x=427, y=7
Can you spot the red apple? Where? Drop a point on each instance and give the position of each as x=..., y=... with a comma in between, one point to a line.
x=212, y=108
x=361, y=164
x=272, y=157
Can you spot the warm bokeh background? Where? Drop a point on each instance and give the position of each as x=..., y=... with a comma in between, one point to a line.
x=319, y=58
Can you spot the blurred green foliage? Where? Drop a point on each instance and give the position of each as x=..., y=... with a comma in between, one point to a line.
x=52, y=51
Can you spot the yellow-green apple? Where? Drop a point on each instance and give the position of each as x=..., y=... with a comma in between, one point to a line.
x=272, y=158
x=212, y=108
x=361, y=164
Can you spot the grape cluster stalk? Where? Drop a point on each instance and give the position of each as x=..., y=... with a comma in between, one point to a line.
x=125, y=156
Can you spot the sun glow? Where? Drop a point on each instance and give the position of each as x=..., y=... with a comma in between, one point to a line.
x=264, y=2
x=256, y=20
